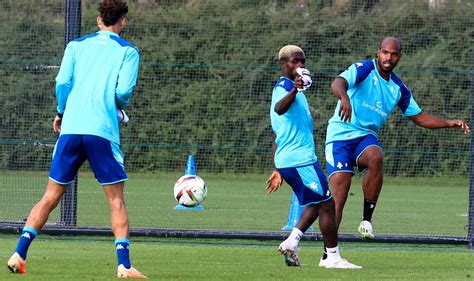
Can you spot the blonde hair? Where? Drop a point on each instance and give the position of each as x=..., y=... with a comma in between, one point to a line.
x=288, y=50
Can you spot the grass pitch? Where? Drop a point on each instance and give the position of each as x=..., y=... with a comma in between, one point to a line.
x=428, y=206
x=93, y=258
x=434, y=206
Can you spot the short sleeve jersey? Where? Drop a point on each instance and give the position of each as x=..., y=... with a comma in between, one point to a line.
x=293, y=129
x=98, y=74
x=372, y=99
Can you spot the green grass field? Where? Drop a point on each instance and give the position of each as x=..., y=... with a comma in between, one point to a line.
x=429, y=206
x=93, y=258
x=433, y=206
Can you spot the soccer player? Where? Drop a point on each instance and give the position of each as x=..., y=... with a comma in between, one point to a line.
x=368, y=91
x=98, y=74
x=296, y=161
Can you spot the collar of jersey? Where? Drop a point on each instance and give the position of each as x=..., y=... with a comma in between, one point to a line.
x=107, y=32
x=283, y=77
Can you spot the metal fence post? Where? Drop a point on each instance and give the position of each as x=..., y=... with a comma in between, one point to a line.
x=72, y=30
x=470, y=233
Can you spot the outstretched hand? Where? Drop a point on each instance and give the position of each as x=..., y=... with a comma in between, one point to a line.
x=274, y=182
x=460, y=124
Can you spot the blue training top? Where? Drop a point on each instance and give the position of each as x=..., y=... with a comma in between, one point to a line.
x=293, y=129
x=98, y=74
x=372, y=99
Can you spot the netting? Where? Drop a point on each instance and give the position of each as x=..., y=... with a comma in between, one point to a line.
x=206, y=75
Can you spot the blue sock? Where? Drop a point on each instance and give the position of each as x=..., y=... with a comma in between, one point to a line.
x=27, y=236
x=123, y=256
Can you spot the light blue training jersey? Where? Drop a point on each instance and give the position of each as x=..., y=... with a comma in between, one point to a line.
x=98, y=74
x=293, y=129
x=372, y=99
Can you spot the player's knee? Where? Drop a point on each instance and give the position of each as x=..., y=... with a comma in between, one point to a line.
x=117, y=204
x=50, y=200
x=340, y=181
x=327, y=206
x=375, y=161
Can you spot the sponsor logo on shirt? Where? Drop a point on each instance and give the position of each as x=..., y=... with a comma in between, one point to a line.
x=376, y=108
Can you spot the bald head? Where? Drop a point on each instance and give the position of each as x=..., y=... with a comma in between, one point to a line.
x=391, y=41
x=287, y=52
x=388, y=55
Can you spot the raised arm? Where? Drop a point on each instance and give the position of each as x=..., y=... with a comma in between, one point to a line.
x=284, y=104
x=432, y=122
x=339, y=88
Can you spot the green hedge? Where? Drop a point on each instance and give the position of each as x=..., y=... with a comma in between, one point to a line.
x=208, y=69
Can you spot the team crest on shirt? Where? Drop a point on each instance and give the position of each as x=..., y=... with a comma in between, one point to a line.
x=375, y=80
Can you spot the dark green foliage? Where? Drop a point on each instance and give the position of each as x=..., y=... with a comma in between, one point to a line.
x=208, y=69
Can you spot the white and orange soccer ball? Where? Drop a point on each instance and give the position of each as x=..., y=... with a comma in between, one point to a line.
x=190, y=190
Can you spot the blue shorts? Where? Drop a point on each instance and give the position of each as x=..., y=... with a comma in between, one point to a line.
x=342, y=156
x=308, y=183
x=70, y=152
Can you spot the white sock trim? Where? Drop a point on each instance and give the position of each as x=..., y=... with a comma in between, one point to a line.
x=333, y=253
x=295, y=237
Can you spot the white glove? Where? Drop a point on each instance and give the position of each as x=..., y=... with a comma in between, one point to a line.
x=306, y=75
x=122, y=116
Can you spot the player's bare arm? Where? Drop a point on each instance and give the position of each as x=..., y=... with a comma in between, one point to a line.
x=284, y=104
x=432, y=122
x=339, y=88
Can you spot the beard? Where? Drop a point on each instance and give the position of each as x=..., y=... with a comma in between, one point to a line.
x=386, y=66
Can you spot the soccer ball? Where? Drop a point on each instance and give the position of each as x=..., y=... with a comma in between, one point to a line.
x=190, y=190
